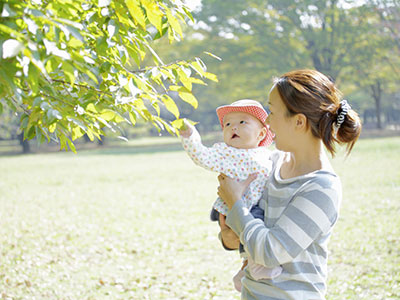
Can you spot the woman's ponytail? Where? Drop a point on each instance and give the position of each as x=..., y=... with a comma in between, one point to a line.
x=349, y=130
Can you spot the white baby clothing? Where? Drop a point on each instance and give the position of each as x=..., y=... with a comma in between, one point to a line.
x=235, y=163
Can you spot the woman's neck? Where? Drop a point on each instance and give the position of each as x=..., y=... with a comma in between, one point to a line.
x=307, y=158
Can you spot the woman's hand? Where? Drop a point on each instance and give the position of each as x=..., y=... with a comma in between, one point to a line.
x=230, y=190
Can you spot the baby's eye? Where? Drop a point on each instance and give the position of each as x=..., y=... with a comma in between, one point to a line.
x=242, y=122
x=227, y=124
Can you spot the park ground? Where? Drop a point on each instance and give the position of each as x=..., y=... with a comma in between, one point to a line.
x=132, y=223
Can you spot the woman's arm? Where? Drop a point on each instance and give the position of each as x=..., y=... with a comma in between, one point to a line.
x=307, y=217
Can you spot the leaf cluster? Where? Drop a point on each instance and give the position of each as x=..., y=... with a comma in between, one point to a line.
x=71, y=68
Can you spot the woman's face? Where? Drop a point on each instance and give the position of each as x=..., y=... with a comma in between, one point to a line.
x=279, y=123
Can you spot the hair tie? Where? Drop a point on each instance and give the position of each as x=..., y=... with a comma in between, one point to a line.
x=342, y=112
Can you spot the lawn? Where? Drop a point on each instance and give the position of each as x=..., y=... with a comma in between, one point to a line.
x=133, y=224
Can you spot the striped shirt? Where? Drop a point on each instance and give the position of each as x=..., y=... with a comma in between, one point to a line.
x=299, y=215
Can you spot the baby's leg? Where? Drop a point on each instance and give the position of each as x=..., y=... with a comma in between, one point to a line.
x=257, y=212
x=214, y=215
x=237, y=279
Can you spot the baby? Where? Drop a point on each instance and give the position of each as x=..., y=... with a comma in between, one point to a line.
x=243, y=152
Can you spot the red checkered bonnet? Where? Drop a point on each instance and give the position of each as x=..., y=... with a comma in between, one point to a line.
x=251, y=107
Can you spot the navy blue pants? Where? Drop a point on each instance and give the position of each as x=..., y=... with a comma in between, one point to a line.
x=256, y=211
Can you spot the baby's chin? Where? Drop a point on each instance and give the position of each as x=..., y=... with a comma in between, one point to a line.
x=236, y=143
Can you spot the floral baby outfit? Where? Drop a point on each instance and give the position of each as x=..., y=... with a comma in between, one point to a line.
x=235, y=163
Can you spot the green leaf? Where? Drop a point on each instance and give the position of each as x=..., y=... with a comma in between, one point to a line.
x=170, y=105
x=10, y=31
x=213, y=55
x=52, y=127
x=107, y=115
x=90, y=134
x=52, y=64
x=197, y=81
x=198, y=68
x=91, y=108
x=71, y=145
x=136, y=12
x=153, y=14
x=188, y=13
x=33, y=78
x=174, y=22
x=91, y=76
x=69, y=71
x=1, y=108
x=75, y=43
x=211, y=76
x=162, y=33
x=63, y=142
x=178, y=124
x=184, y=79
x=76, y=133
x=188, y=97
x=132, y=117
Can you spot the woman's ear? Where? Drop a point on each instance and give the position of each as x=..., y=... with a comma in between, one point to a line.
x=300, y=121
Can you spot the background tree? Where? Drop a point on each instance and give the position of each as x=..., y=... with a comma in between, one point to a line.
x=70, y=68
x=257, y=40
x=372, y=65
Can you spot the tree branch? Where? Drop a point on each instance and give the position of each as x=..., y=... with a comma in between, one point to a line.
x=22, y=106
x=82, y=86
x=161, y=66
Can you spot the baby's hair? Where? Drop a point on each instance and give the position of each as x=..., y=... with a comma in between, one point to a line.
x=313, y=94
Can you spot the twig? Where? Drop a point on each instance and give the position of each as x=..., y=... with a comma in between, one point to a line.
x=82, y=86
x=26, y=111
x=161, y=66
x=58, y=99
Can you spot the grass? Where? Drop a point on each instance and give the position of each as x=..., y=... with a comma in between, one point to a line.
x=133, y=224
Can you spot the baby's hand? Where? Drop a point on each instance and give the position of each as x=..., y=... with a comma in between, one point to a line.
x=186, y=130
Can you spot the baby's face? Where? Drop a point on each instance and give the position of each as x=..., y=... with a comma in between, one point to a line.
x=242, y=130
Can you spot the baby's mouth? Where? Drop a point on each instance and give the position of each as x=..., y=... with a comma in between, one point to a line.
x=234, y=136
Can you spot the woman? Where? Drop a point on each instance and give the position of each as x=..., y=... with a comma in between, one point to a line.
x=303, y=194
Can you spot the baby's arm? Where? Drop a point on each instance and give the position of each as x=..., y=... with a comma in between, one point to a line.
x=211, y=158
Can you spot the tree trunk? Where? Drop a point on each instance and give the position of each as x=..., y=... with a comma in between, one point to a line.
x=377, y=95
x=24, y=143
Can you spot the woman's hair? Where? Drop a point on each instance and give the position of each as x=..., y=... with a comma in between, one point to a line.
x=313, y=94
